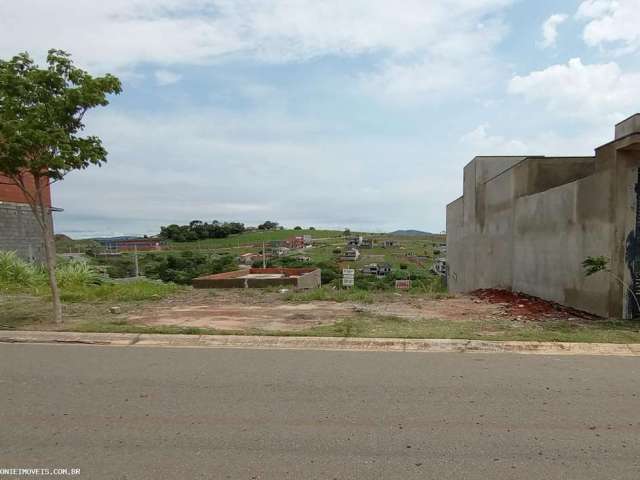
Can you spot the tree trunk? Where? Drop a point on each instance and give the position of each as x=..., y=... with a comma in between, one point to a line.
x=50, y=258
x=42, y=212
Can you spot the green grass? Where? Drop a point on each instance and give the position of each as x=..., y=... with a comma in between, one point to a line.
x=131, y=291
x=122, y=326
x=331, y=295
x=31, y=307
x=377, y=326
x=251, y=238
x=370, y=326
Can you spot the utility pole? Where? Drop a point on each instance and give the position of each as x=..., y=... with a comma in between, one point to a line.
x=135, y=259
x=264, y=257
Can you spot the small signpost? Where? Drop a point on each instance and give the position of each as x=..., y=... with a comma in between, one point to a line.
x=348, y=276
x=403, y=284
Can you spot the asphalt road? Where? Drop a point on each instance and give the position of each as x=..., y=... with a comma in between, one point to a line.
x=160, y=413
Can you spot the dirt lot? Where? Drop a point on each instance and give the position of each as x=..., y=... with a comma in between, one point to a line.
x=269, y=311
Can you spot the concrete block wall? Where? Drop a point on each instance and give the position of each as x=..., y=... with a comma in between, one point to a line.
x=528, y=223
x=20, y=232
x=554, y=232
x=309, y=280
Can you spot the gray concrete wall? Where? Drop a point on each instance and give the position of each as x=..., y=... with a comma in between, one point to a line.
x=628, y=126
x=455, y=236
x=528, y=223
x=554, y=232
x=20, y=232
x=310, y=280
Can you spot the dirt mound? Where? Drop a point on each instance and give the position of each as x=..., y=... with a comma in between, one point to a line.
x=521, y=305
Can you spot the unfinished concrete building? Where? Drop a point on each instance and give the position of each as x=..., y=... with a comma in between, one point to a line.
x=527, y=223
x=299, y=278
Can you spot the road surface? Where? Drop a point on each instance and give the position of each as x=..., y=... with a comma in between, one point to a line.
x=155, y=413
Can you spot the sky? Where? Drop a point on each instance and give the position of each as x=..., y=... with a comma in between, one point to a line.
x=325, y=113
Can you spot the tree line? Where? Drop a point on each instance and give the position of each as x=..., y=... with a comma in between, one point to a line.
x=199, y=230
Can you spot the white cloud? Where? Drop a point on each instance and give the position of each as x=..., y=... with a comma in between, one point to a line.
x=425, y=45
x=589, y=92
x=550, y=29
x=480, y=142
x=446, y=66
x=545, y=142
x=611, y=23
x=166, y=77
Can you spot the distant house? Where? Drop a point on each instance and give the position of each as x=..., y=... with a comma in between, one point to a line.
x=440, y=267
x=303, y=258
x=133, y=244
x=370, y=269
x=308, y=239
x=295, y=243
x=384, y=269
x=379, y=270
x=249, y=258
x=354, y=242
x=388, y=243
x=351, y=255
x=366, y=243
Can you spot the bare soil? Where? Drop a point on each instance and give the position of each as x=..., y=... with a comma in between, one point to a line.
x=255, y=309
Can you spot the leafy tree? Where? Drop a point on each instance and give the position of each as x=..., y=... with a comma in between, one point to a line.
x=41, y=117
x=297, y=228
x=199, y=230
x=268, y=225
x=329, y=272
x=346, y=232
x=312, y=228
x=184, y=267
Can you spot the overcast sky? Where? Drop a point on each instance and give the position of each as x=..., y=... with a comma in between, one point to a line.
x=330, y=113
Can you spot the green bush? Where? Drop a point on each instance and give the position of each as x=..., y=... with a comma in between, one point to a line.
x=329, y=271
x=183, y=267
x=74, y=274
x=15, y=272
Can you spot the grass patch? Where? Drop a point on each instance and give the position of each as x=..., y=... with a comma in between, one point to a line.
x=31, y=307
x=330, y=295
x=130, y=291
x=367, y=325
x=122, y=326
x=250, y=238
x=385, y=326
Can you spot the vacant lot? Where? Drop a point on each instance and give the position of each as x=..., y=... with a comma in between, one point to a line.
x=325, y=312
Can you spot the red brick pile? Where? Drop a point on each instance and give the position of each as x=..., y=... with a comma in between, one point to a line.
x=526, y=306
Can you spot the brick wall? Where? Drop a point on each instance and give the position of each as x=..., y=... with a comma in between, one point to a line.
x=20, y=232
x=11, y=193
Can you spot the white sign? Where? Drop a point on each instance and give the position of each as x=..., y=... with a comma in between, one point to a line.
x=348, y=277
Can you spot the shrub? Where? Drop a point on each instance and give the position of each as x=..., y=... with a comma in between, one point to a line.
x=329, y=271
x=183, y=267
x=74, y=274
x=16, y=272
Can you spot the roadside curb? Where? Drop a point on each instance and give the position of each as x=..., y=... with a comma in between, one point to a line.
x=320, y=343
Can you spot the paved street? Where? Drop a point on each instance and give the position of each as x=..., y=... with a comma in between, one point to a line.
x=152, y=413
